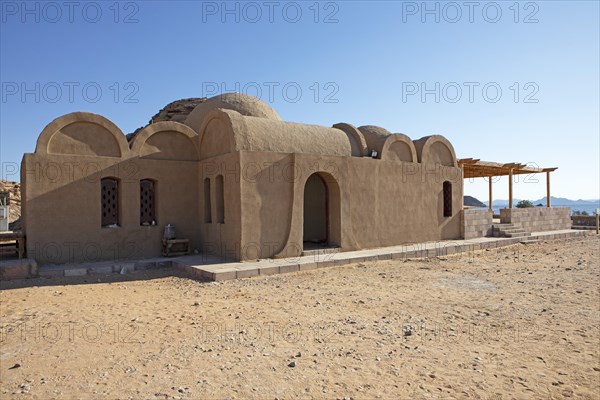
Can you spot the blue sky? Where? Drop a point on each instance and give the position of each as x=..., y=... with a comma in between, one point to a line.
x=502, y=82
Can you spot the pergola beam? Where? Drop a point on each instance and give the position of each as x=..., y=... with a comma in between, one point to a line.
x=475, y=168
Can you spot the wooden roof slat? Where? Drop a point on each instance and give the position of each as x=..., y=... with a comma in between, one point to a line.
x=475, y=168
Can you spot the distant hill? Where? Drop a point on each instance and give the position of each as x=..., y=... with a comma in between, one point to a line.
x=557, y=201
x=471, y=201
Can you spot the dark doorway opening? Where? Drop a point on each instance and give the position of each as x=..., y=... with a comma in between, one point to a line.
x=315, y=212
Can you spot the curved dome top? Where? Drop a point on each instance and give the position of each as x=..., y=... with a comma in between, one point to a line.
x=374, y=130
x=375, y=136
x=249, y=106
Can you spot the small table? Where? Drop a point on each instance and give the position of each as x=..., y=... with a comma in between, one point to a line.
x=19, y=246
x=175, y=247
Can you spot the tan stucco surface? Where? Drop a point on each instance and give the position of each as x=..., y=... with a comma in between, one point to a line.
x=264, y=164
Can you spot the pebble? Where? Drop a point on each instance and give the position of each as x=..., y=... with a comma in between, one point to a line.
x=196, y=304
x=17, y=365
x=292, y=364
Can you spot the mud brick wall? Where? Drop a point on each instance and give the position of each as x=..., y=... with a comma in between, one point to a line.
x=538, y=219
x=476, y=223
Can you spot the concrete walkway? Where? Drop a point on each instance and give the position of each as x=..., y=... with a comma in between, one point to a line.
x=213, y=268
x=208, y=268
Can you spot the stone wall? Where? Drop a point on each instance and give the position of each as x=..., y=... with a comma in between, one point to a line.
x=584, y=220
x=476, y=223
x=538, y=219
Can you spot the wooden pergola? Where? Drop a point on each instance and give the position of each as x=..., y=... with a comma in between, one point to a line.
x=475, y=168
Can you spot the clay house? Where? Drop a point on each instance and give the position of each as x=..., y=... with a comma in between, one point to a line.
x=236, y=181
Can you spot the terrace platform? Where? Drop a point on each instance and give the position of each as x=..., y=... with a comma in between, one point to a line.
x=213, y=268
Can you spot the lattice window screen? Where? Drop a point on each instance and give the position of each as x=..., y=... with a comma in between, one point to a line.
x=110, y=202
x=147, y=206
x=447, y=199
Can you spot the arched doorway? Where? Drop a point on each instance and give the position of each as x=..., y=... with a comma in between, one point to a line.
x=321, y=212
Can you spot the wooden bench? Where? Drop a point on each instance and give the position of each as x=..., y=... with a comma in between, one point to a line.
x=12, y=243
x=175, y=247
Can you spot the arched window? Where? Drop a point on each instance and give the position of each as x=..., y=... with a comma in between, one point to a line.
x=447, y=199
x=147, y=203
x=220, y=200
x=109, y=200
x=207, y=203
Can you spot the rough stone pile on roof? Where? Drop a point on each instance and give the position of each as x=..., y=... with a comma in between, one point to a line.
x=175, y=111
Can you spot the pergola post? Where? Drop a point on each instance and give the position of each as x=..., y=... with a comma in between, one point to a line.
x=490, y=192
x=510, y=188
x=548, y=189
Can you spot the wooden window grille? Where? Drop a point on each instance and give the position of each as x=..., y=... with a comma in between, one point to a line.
x=447, y=199
x=110, y=202
x=147, y=203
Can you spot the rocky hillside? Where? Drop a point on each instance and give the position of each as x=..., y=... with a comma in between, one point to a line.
x=176, y=111
x=471, y=201
x=14, y=208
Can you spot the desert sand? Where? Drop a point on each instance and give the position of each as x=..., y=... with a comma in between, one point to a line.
x=512, y=323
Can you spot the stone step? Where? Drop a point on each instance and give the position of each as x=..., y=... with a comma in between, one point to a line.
x=501, y=226
x=530, y=241
x=517, y=234
x=324, y=250
x=513, y=230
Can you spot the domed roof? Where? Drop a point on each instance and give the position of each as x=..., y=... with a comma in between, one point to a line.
x=374, y=130
x=375, y=136
x=249, y=106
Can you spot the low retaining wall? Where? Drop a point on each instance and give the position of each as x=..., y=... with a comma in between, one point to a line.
x=538, y=219
x=476, y=223
x=584, y=220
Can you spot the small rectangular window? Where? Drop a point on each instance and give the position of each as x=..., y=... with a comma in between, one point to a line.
x=207, y=203
x=110, y=202
x=447, y=199
x=220, y=200
x=147, y=203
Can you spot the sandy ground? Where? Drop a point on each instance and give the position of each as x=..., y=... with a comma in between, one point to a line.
x=518, y=322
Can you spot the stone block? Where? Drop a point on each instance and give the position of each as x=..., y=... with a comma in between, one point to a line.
x=224, y=274
x=269, y=270
x=247, y=272
x=76, y=272
x=51, y=273
x=308, y=266
x=325, y=264
x=144, y=265
x=18, y=269
x=371, y=258
x=356, y=259
x=431, y=253
x=101, y=269
x=285, y=269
